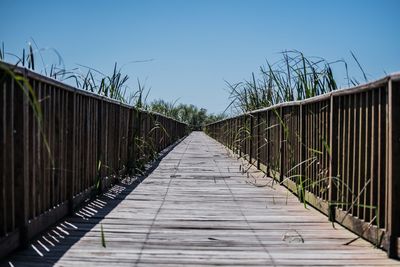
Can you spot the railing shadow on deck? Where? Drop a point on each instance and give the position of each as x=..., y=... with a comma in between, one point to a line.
x=340, y=152
x=48, y=247
x=61, y=145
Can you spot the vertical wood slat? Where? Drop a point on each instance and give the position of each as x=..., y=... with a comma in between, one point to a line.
x=53, y=147
x=31, y=164
x=367, y=154
x=393, y=168
x=21, y=153
x=329, y=149
x=352, y=162
x=337, y=169
x=333, y=160
x=346, y=187
x=3, y=164
x=320, y=138
x=46, y=156
x=313, y=145
x=281, y=144
x=302, y=133
x=78, y=144
x=361, y=179
x=10, y=161
x=382, y=156
x=7, y=159
x=308, y=139
x=39, y=157
x=374, y=155
x=70, y=154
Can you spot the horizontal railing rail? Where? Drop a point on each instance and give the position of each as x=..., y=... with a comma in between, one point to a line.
x=60, y=145
x=340, y=152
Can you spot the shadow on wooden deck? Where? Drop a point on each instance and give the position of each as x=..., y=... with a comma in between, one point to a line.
x=198, y=208
x=50, y=246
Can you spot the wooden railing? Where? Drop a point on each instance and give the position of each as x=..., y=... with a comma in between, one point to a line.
x=61, y=146
x=340, y=152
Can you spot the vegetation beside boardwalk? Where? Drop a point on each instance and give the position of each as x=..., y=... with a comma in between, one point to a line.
x=294, y=77
x=114, y=85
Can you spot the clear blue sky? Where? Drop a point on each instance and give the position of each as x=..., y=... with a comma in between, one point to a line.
x=196, y=45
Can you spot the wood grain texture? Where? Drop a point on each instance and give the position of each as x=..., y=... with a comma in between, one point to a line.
x=196, y=208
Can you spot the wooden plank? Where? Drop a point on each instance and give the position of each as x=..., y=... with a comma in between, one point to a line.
x=9, y=162
x=354, y=165
x=21, y=171
x=373, y=159
x=3, y=150
x=367, y=156
x=333, y=129
x=70, y=153
x=337, y=171
x=382, y=157
x=39, y=156
x=346, y=134
x=393, y=169
x=46, y=155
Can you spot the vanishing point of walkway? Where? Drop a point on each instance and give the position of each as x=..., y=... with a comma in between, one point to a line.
x=197, y=208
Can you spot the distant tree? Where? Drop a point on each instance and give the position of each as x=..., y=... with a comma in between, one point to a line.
x=189, y=114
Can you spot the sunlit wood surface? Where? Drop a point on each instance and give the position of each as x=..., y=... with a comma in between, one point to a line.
x=197, y=208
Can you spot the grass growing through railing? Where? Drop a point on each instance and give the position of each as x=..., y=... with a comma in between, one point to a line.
x=113, y=85
x=305, y=184
x=24, y=85
x=318, y=185
x=294, y=77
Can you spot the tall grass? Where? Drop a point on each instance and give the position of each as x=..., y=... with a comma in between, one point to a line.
x=294, y=77
x=113, y=85
x=22, y=83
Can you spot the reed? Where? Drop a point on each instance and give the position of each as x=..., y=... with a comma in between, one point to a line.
x=294, y=77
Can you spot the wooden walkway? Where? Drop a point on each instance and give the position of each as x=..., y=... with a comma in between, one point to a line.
x=196, y=208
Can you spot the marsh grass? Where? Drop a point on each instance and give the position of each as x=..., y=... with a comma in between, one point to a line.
x=294, y=77
x=2, y=51
x=147, y=145
x=102, y=236
x=113, y=85
x=24, y=85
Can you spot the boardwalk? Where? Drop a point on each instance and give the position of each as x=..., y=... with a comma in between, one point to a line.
x=196, y=208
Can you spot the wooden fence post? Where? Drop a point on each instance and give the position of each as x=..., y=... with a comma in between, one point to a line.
x=333, y=144
x=258, y=151
x=131, y=140
x=282, y=143
x=21, y=139
x=393, y=169
x=251, y=143
x=303, y=137
x=137, y=120
x=70, y=151
x=101, y=141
